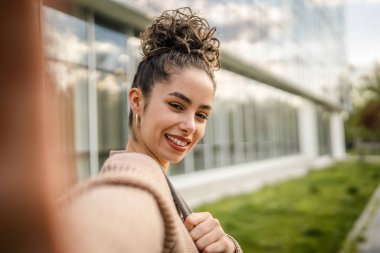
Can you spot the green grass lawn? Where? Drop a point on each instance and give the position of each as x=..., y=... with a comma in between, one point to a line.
x=309, y=214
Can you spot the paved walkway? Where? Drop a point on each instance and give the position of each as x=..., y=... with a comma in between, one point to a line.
x=372, y=236
x=371, y=243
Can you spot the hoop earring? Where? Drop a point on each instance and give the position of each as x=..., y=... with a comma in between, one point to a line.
x=137, y=120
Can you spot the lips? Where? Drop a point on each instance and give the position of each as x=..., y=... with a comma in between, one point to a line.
x=177, y=142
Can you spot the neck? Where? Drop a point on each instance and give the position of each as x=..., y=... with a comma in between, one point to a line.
x=138, y=147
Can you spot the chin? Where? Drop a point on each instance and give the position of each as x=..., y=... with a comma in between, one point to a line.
x=175, y=159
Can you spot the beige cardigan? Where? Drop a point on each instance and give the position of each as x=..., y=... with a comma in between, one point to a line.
x=128, y=207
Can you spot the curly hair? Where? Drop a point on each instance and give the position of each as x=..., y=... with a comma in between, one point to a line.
x=184, y=32
x=175, y=40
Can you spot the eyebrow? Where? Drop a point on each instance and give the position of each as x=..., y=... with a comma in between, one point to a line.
x=188, y=100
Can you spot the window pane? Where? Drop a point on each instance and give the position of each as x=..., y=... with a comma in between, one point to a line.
x=110, y=50
x=112, y=106
x=65, y=36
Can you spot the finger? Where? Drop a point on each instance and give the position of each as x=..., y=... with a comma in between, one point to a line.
x=217, y=247
x=214, y=236
x=204, y=228
x=194, y=219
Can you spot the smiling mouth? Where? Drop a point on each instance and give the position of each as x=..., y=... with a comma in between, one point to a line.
x=177, y=141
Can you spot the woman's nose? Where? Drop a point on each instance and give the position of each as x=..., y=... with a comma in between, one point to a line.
x=187, y=124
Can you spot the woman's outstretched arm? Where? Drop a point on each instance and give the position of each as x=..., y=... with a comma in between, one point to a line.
x=113, y=219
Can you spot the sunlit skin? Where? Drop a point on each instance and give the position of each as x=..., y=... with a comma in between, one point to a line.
x=171, y=122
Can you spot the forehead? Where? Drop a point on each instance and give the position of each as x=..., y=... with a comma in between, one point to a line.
x=193, y=83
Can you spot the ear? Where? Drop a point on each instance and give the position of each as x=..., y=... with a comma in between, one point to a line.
x=136, y=100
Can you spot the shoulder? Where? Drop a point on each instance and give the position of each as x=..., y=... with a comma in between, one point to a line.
x=137, y=170
x=130, y=159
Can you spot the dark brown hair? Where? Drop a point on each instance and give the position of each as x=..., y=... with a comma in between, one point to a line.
x=177, y=39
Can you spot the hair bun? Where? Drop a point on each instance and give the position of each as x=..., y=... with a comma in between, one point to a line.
x=184, y=32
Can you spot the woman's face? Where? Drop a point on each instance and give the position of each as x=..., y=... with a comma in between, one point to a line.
x=175, y=118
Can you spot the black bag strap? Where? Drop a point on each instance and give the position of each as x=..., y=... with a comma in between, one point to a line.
x=183, y=208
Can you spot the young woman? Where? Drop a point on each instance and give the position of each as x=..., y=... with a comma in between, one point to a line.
x=131, y=206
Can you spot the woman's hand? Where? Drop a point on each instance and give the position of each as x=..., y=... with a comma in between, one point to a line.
x=207, y=234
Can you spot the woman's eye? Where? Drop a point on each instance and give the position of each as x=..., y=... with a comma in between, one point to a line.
x=202, y=116
x=176, y=106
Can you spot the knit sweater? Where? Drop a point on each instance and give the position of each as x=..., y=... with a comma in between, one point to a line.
x=128, y=207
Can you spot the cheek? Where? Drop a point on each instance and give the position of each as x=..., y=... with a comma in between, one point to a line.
x=201, y=128
x=155, y=115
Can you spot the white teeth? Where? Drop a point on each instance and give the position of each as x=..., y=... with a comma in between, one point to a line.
x=176, y=141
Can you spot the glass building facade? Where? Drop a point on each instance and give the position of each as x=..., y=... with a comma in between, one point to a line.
x=93, y=57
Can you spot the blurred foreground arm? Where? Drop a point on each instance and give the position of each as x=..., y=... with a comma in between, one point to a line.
x=113, y=219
